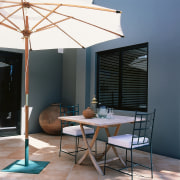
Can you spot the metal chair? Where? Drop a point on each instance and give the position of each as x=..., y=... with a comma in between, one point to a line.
x=141, y=137
x=72, y=129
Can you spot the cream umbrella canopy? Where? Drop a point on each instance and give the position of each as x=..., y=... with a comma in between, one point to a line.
x=49, y=24
x=57, y=23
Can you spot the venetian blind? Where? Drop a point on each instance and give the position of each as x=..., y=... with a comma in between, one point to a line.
x=134, y=79
x=122, y=78
x=108, y=79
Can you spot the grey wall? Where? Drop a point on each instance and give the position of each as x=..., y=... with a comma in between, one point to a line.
x=69, y=76
x=74, y=90
x=45, y=85
x=154, y=22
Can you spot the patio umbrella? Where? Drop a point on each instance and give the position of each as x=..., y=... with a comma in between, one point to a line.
x=49, y=24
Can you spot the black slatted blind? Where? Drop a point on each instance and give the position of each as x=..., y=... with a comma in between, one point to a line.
x=122, y=78
x=108, y=84
x=134, y=78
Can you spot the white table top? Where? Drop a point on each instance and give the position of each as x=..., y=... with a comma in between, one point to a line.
x=114, y=121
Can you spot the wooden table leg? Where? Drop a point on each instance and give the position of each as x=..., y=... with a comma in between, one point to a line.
x=91, y=145
x=108, y=135
x=89, y=149
x=114, y=149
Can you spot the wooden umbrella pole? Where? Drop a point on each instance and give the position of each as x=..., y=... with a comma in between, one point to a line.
x=26, y=36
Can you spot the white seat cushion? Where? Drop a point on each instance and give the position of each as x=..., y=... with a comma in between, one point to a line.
x=126, y=140
x=76, y=130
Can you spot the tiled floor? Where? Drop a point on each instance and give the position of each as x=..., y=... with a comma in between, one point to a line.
x=45, y=147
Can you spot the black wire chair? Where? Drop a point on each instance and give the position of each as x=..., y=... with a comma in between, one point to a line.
x=141, y=137
x=72, y=129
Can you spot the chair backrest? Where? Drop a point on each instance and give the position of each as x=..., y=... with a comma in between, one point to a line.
x=69, y=110
x=143, y=128
x=66, y=110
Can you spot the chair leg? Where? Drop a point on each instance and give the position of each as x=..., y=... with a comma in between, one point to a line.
x=60, y=144
x=132, y=164
x=105, y=158
x=151, y=162
x=126, y=157
x=78, y=142
x=76, y=148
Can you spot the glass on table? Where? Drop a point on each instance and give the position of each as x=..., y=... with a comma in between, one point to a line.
x=110, y=113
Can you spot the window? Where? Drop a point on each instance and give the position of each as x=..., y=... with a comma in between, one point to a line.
x=122, y=77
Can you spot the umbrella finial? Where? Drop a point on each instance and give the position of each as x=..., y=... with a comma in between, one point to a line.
x=26, y=4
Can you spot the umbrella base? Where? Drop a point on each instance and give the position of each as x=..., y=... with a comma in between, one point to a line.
x=33, y=167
